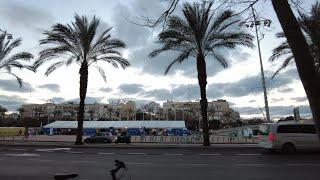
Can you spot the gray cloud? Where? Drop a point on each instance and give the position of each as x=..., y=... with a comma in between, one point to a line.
x=300, y=99
x=285, y=90
x=275, y=111
x=105, y=90
x=158, y=94
x=251, y=84
x=88, y=100
x=22, y=15
x=12, y=103
x=13, y=85
x=50, y=87
x=277, y=99
x=58, y=100
x=131, y=88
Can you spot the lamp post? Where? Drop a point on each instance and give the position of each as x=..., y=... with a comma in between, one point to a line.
x=255, y=23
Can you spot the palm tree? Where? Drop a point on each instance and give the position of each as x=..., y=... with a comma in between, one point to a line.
x=21, y=111
x=17, y=60
x=79, y=43
x=200, y=35
x=2, y=113
x=304, y=60
x=310, y=25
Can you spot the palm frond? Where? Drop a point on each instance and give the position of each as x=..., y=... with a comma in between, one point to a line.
x=53, y=67
x=183, y=56
x=286, y=62
x=102, y=73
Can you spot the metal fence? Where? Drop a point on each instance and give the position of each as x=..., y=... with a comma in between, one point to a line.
x=193, y=139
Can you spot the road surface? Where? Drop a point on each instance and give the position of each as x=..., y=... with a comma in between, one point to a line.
x=152, y=163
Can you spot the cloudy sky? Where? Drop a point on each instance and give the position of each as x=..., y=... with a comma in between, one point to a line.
x=144, y=81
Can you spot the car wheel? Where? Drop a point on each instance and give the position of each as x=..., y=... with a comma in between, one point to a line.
x=86, y=141
x=288, y=148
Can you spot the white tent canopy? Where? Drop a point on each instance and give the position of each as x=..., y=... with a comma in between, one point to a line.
x=117, y=124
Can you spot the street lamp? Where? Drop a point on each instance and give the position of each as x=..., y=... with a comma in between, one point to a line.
x=255, y=23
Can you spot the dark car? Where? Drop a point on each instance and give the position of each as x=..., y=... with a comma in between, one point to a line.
x=123, y=138
x=98, y=139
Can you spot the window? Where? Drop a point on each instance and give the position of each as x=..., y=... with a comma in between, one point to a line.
x=263, y=129
x=288, y=129
x=306, y=129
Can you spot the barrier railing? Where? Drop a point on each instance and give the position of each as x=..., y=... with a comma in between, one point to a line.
x=193, y=139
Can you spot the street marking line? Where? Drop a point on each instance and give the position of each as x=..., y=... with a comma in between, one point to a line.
x=23, y=155
x=210, y=154
x=251, y=164
x=248, y=154
x=54, y=149
x=300, y=164
x=83, y=161
x=136, y=153
x=192, y=164
x=74, y=152
x=18, y=149
x=138, y=163
x=43, y=160
x=102, y=153
x=173, y=154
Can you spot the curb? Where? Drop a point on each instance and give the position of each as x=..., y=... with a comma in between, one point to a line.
x=133, y=145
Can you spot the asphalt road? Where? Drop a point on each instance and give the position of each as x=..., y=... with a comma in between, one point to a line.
x=152, y=163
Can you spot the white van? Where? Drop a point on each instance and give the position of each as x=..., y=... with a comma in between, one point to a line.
x=288, y=136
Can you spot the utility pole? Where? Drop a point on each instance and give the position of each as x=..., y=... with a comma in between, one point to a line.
x=255, y=23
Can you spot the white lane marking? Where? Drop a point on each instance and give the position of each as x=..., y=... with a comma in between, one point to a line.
x=173, y=154
x=43, y=160
x=248, y=154
x=138, y=163
x=136, y=153
x=250, y=164
x=18, y=149
x=102, y=153
x=74, y=152
x=210, y=154
x=192, y=164
x=300, y=164
x=23, y=155
x=54, y=149
x=83, y=161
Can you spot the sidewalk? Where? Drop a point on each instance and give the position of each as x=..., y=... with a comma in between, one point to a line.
x=132, y=145
x=68, y=141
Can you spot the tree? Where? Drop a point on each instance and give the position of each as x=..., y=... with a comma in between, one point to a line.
x=17, y=60
x=310, y=25
x=215, y=124
x=91, y=112
x=308, y=73
x=200, y=35
x=2, y=113
x=80, y=43
x=21, y=111
x=110, y=110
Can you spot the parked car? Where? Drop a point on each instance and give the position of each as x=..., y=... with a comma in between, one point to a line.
x=98, y=138
x=288, y=136
x=123, y=138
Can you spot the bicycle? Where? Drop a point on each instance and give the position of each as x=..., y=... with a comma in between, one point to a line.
x=119, y=165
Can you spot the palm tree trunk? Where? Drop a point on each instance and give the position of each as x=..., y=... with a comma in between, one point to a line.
x=83, y=91
x=202, y=78
x=304, y=61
